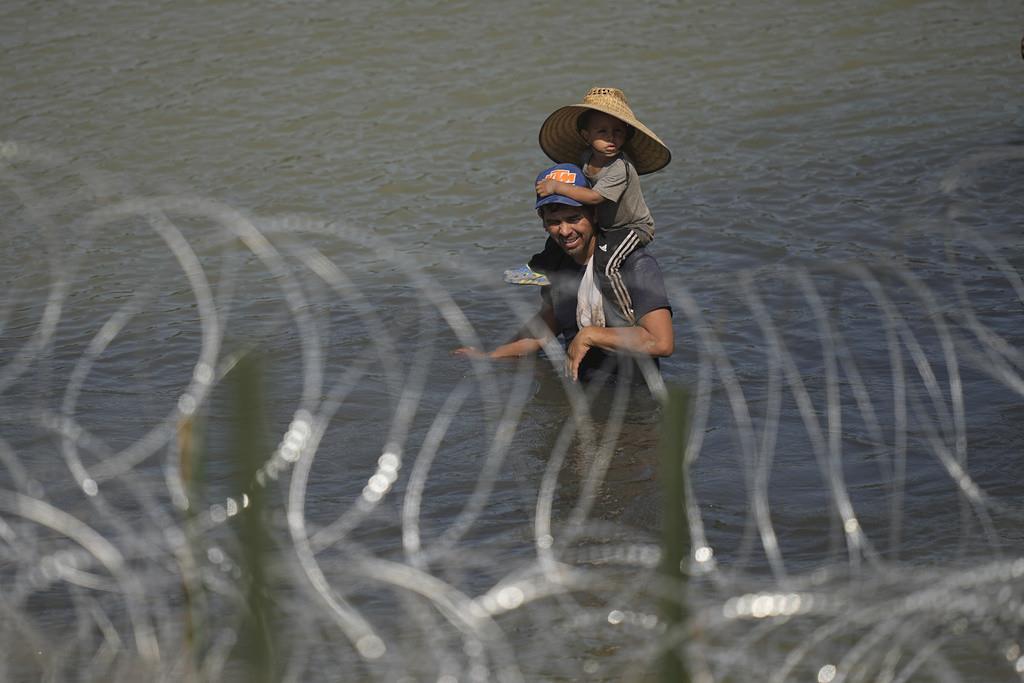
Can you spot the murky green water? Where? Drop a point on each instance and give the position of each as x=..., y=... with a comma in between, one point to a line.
x=806, y=137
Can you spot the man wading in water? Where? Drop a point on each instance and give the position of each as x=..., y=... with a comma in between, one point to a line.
x=596, y=333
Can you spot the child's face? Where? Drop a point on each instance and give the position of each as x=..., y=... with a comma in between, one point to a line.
x=605, y=134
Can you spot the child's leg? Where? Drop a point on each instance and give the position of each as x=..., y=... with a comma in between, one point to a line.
x=546, y=260
x=608, y=258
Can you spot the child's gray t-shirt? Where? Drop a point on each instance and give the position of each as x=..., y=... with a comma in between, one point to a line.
x=624, y=205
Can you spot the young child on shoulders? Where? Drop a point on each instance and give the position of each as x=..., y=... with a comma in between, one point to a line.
x=614, y=149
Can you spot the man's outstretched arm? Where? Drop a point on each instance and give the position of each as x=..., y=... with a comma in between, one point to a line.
x=525, y=342
x=652, y=336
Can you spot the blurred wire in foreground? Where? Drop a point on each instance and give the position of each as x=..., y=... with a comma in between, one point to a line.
x=371, y=509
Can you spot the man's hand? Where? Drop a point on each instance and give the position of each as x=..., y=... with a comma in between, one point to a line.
x=581, y=343
x=469, y=352
x=652, y=336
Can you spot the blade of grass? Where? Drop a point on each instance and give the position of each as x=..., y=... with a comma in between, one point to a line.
x=675, y=544
x=256, y=633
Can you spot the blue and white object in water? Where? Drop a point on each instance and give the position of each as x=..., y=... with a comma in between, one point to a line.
x=524, y=275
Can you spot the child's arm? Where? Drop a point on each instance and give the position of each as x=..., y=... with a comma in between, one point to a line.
x=583, y=195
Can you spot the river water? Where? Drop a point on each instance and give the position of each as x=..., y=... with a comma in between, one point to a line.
x=335, y=188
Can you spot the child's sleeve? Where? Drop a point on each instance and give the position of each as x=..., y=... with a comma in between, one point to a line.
x=613, y=183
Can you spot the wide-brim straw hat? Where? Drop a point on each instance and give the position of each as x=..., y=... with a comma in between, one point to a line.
x=561, y=139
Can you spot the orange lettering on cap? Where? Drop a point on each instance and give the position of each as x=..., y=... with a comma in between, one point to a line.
x=562, y=176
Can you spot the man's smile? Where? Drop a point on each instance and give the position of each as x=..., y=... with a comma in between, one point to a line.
x=571, y=241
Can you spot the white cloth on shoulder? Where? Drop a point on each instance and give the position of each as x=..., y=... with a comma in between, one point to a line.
x=589, y=302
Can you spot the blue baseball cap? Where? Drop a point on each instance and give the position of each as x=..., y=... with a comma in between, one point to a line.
x=566, y=173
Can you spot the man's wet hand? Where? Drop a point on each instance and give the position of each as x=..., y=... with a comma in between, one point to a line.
x=578, y=348
x=469, y=352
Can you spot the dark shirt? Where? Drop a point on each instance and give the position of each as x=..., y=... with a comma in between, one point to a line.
x=643, y=279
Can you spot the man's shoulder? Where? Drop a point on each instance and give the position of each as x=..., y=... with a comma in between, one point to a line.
x=645, y=282
x=641, y=258
x=640, y=268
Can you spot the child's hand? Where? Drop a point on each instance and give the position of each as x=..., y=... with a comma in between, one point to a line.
x=547, y=187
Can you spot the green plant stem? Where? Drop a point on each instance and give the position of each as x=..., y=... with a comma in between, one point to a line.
x=675, y=545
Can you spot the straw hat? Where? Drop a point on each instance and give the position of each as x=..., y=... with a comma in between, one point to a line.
x=563, y=142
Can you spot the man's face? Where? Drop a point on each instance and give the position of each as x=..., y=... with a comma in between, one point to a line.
x=572, y=228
